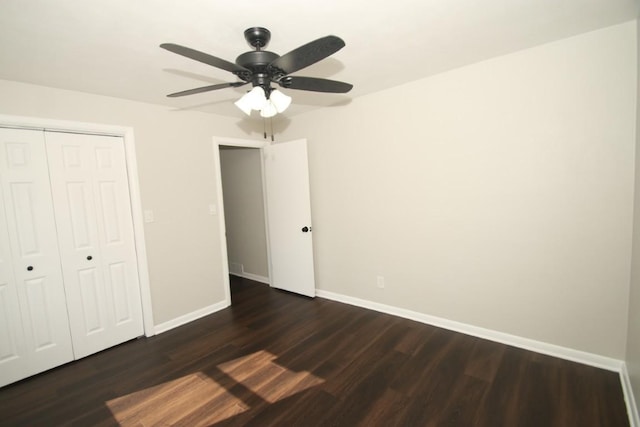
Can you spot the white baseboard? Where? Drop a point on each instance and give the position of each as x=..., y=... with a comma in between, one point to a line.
x=489, y=334
x=632, y=408
x=190, y=317
x=254, y=277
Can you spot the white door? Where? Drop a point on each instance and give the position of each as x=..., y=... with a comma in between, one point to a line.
x=95, y=231
x=288, y=203
x=12, y=346
x=34, y=328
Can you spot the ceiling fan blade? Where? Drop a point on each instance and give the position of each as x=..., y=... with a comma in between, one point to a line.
x=206, y=89
x=307, y=54
x=314, y=84
x=204, y=58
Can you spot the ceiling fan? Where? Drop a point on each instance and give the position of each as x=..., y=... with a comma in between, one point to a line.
x=261, y=68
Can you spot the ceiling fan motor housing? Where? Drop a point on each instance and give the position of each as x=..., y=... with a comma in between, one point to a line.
x=257, y=62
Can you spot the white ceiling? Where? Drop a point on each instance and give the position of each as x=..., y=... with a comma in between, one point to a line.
x=110, y=47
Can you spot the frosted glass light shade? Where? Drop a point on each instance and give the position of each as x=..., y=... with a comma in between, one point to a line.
x=252, y=100
x=269, y=109
x=243, y=105
x=279, y=100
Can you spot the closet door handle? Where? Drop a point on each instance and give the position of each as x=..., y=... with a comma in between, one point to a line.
x=30, y=268
x=89, y=257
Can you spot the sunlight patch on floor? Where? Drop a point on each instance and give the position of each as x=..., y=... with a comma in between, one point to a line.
x=272, y=382
x=202, y=398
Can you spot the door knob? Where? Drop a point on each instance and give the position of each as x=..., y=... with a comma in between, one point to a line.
x=89, y=257
x=30, y=268
x=306, y=229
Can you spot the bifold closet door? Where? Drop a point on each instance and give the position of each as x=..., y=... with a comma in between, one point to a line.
x=34, y=328
x=95, y=232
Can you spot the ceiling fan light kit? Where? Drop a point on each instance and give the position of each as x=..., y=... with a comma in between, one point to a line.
x=261, y=68
x=256, y=99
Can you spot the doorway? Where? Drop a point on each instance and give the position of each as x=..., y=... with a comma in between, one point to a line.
x=243, y=223
x=242, y=188
x=287, y=214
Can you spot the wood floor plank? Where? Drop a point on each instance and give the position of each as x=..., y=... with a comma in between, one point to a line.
x=502, y=400
x=419, y=368
x=435, y=389
x=463, y=404
x=485, y=359
x=277, y=359
x=358, y=399
x=385, y=409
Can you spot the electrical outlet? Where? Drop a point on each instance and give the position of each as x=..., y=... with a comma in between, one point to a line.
x=380, y=281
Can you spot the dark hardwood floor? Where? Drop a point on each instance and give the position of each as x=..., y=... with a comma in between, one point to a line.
x=277, y=359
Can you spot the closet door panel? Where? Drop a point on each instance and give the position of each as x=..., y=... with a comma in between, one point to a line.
x=115, y=227
x=78, y=236
x=41, y=319
x=42, y=326
x=91, y=293
x=95, y=228
x=9, y=316
x=12, y=360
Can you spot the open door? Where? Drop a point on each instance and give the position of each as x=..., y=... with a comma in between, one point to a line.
x=288, y=211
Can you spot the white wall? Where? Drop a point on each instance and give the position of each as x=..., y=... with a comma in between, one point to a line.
x=244, y=209
x=633, y=334
x=499, y=194
x=177, y=182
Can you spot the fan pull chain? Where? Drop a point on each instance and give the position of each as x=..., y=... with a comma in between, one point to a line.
x=271, y=122
x=264, y=127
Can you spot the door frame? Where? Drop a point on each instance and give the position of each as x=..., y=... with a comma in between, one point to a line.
x=54, y=125
x=219, y=141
